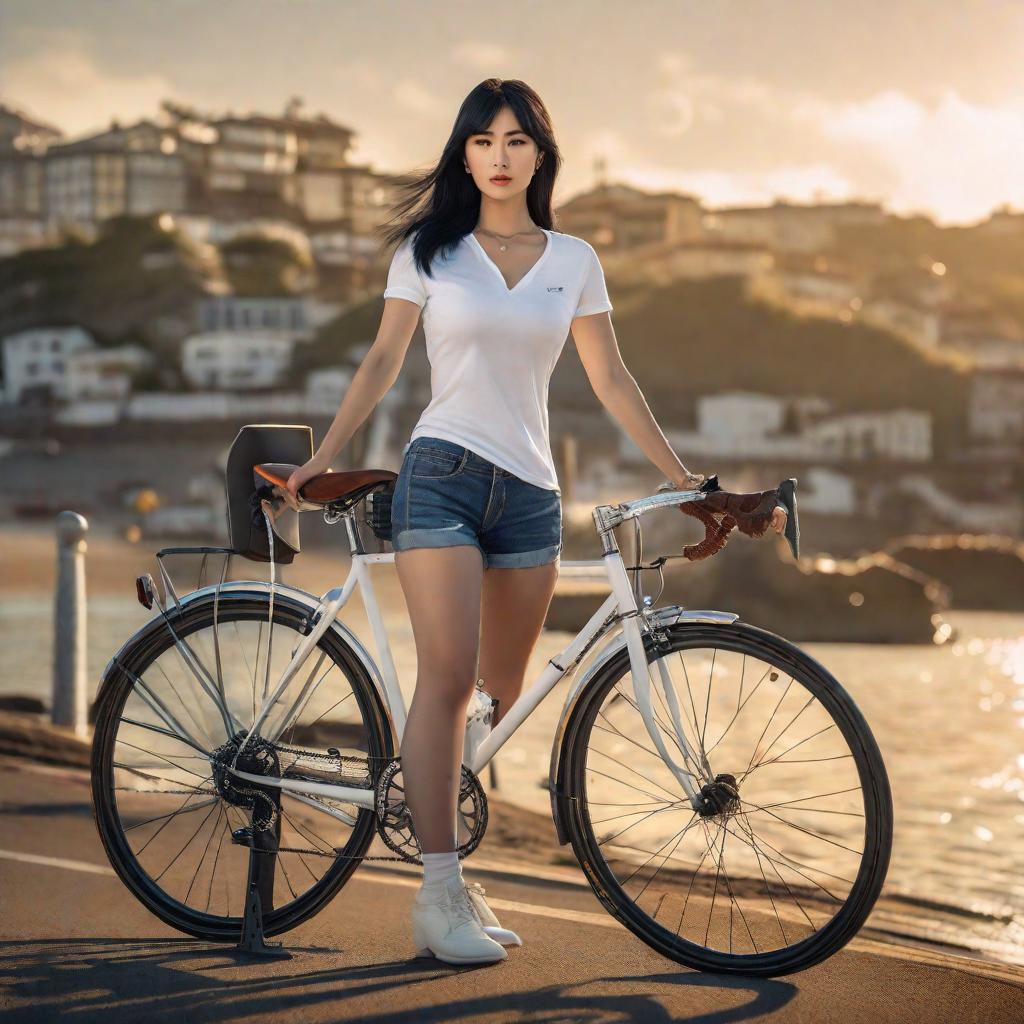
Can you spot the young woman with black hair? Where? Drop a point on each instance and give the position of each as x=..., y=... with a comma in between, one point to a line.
x=476, y=511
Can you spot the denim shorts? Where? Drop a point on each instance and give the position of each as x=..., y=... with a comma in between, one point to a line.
x=447, y=494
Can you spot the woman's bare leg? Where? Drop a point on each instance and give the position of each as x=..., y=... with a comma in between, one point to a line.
x=514, y=606
x=442, y=589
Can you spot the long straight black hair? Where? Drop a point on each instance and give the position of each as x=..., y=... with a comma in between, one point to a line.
x=442, y=205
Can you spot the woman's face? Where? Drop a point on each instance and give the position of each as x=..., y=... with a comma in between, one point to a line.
x=504, y=149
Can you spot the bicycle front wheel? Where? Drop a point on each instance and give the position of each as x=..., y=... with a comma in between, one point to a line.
x=787, y=855
x=173, y=708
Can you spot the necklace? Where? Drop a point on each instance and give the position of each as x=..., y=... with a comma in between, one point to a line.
x=503, y=247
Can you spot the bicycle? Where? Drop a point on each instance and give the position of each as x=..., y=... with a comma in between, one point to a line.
x=720, y=790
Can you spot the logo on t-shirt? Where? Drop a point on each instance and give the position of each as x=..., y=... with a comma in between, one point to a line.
x=556, y=289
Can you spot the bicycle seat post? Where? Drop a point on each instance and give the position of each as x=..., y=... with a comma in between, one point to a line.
x=355, y=542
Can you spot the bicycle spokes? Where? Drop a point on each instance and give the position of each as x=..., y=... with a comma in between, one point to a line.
x=772, y=849
x=178, y=804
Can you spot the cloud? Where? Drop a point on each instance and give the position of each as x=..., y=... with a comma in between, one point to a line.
x=956, y=157
x=681, y=94
x=415, y=98
x=484, y=57
x=69, y=90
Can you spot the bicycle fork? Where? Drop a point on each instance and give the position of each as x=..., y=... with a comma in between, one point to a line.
x=690, y=778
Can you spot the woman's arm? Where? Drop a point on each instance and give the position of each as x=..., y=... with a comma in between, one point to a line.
x=376, y=375
x=619, y=393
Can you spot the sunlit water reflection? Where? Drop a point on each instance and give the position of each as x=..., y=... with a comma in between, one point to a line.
x=949, y=720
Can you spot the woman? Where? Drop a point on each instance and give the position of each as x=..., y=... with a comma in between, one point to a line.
x=476, y=512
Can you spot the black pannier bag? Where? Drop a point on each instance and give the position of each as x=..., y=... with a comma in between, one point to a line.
x=247, y=528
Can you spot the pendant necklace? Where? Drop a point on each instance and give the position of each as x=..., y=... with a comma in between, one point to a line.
x=503, y=246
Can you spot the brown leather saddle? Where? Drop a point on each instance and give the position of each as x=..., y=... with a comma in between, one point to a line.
x=338, y=489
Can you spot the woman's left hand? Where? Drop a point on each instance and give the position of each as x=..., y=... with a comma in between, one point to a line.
x=689, y=481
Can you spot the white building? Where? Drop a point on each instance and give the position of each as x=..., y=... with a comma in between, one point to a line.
x=921, y=327
x=339, y=246
x=825, y=291
x=280, y=314
x=790, y=227
x=326, y=387
x=232, y=360
x=995, y=409
x=663, y=262
x=36, y=361
x=104, y=373
x=733, y=424
x=827, y=492
x=992, y=340
x=890, y=433
x=291, y=316
x=746, y=425
x=134, y=169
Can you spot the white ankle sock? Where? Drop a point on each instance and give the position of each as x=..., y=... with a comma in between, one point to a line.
x=439, y=867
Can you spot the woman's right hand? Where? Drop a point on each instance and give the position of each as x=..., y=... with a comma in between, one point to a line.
x=313, y=468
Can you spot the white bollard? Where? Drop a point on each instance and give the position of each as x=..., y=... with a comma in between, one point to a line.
x=69, y=636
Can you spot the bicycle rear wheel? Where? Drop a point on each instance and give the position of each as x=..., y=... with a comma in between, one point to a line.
x=165, y=804
x=783, y=863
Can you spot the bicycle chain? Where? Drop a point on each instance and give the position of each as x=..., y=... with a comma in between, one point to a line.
x=333, y=758
x=335, y=854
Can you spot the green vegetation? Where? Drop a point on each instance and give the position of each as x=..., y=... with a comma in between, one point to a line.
x=133, y=274
x=257, y=265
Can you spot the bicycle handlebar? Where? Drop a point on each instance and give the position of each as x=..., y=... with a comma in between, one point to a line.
x=720, y=511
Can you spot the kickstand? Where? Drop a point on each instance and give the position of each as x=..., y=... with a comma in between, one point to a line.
x=252, y=941
x=260, y=881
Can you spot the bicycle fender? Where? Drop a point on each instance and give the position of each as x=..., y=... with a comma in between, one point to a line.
x=616, y=648
x=282, y=592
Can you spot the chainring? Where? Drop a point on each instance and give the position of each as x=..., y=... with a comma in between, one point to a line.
x=394, y=819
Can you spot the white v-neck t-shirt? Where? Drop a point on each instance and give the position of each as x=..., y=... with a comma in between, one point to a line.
x=492, y=349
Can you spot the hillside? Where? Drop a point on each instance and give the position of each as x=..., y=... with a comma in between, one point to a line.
x=680, y=340
x=694, y=337
x=135, y=281
x=987, y=267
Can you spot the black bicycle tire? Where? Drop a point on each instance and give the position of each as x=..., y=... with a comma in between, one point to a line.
x=871, y=769
x=114, y=690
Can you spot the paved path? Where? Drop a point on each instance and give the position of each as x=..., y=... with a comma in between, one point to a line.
x=76, y=945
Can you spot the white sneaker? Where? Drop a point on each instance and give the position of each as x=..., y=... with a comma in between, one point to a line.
x=505, y=936
x=447, y=926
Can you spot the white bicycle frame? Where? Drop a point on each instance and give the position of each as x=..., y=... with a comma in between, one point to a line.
x=619, y=606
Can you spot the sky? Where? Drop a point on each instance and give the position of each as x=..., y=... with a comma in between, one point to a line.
x=914, y=104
